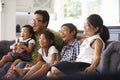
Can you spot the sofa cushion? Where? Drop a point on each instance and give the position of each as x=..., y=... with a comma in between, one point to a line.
x=110, y=58
x=5, y=46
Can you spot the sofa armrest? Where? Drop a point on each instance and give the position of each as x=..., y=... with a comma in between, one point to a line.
x=110, y=58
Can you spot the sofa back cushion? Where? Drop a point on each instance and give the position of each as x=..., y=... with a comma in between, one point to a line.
x=5, y=46
x=110, y=58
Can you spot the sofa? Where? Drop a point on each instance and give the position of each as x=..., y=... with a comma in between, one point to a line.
x=5, y=46
x=109, y=64
x=110, y=58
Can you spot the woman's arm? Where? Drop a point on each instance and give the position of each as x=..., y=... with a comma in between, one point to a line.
x=81, y=38
x=97, y=46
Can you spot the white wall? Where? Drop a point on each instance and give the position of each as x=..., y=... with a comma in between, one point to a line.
x=0, y=19
x=23, y=18
x=8, y=20
x=110, y=12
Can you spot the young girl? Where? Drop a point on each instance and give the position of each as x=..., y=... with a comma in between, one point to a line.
x=22, y=48
x=47, y=54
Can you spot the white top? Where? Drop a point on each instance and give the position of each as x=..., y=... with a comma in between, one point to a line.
x=86, y=52
x=21, y=40
x=51, y=51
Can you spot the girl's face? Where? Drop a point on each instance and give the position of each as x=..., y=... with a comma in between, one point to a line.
x=89, y=30
x=43, y=41
x=25, y=33
x=65, y=34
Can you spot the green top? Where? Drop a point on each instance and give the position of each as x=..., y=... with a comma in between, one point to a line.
x=58, y=44
x=36, y=48
x=58, y=40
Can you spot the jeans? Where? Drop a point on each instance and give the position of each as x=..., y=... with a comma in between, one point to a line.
x=4, y=69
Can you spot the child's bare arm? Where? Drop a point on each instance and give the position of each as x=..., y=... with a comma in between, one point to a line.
x=54, y=59
x=39, y=58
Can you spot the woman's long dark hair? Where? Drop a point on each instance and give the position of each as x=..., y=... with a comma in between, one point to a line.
x=97, y=21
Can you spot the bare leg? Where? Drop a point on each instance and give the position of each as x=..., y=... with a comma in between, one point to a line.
x=21, y=71
x=11, y=74
x=41, y=72
x=50, y=74
x=6, y=58
x=55, y=72
x=33, y=70
x=12, y=68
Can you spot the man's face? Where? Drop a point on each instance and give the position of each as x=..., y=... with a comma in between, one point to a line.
x=37, y=23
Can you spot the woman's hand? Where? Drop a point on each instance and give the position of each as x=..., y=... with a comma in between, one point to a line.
x=89, y=69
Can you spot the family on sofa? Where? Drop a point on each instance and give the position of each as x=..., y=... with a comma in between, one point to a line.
x=39, y=23
x=79, y=54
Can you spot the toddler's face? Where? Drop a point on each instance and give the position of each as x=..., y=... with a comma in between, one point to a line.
x=25, y=33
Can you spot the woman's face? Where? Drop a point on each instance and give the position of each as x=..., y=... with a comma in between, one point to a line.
x=65, y=34
x=89, y=30
x=25, y=33
x=43, y=41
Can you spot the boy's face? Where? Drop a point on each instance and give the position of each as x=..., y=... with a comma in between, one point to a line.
x=66, y=35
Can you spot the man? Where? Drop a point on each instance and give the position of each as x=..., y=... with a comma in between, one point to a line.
x=40, y=23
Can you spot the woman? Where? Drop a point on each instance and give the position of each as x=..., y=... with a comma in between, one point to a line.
x=90, y=50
